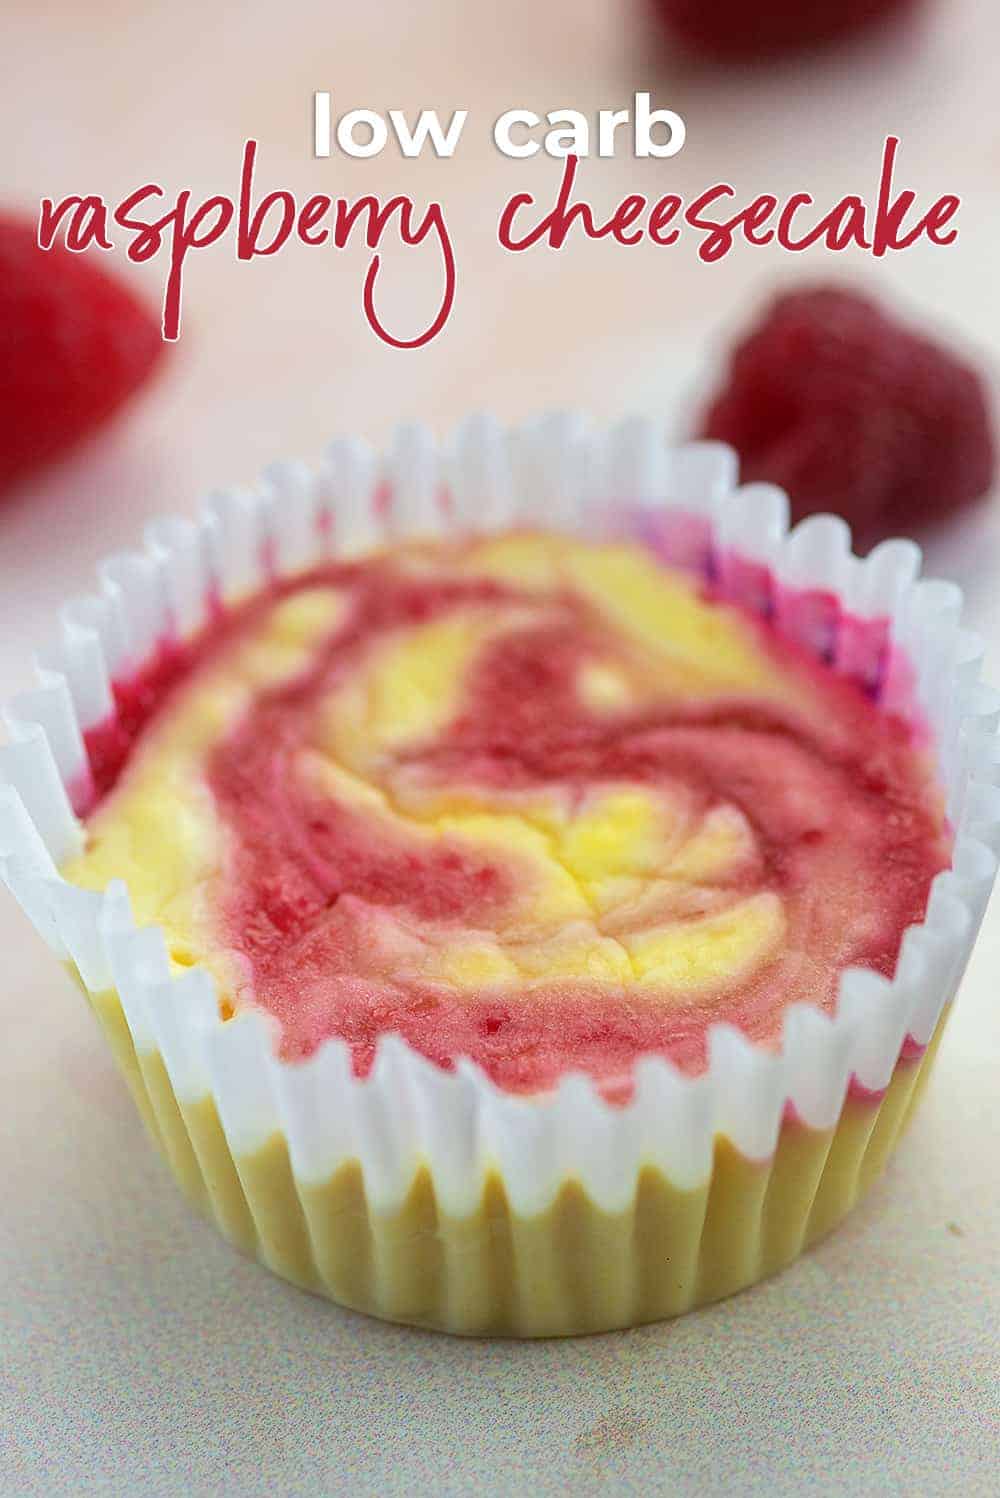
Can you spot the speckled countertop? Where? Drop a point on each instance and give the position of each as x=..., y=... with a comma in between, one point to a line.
x=138, y=1354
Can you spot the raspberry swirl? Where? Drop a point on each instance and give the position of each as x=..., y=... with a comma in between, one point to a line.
x=532, y=802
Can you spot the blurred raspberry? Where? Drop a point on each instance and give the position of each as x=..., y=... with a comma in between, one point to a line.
x=74, y=344
x=852, y=412
x=736, y=30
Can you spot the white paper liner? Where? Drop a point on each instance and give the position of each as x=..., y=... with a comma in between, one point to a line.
x=408, y=1112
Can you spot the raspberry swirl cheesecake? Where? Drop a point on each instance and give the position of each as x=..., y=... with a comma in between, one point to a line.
x=514, y=859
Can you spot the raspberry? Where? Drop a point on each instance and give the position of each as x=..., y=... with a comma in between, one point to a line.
x=852, y=412
x=734, y=30
x=74, y=344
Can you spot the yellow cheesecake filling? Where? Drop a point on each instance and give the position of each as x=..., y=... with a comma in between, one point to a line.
x=541, y=803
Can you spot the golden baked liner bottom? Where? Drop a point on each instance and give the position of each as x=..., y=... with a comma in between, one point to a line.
x=572, y=1268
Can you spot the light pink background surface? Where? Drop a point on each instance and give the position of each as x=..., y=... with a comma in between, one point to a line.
x=137, y=1353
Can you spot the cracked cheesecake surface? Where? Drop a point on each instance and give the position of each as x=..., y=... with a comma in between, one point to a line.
x=527, y=800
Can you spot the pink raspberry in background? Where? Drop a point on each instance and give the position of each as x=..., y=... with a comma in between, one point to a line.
x=737, y=30
x=74, y=344
x=853, y=412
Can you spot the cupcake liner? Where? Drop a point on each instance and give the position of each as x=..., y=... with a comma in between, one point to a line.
x=433, y=1196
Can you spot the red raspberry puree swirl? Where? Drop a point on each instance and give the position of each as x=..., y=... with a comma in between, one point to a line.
x=847, y=833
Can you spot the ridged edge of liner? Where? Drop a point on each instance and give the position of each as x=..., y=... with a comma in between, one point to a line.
x=407, y=1112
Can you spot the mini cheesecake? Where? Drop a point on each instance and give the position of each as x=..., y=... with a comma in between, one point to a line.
x=541, y=804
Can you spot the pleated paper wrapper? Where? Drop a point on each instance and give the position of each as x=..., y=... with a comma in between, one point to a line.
x=430, y=1196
